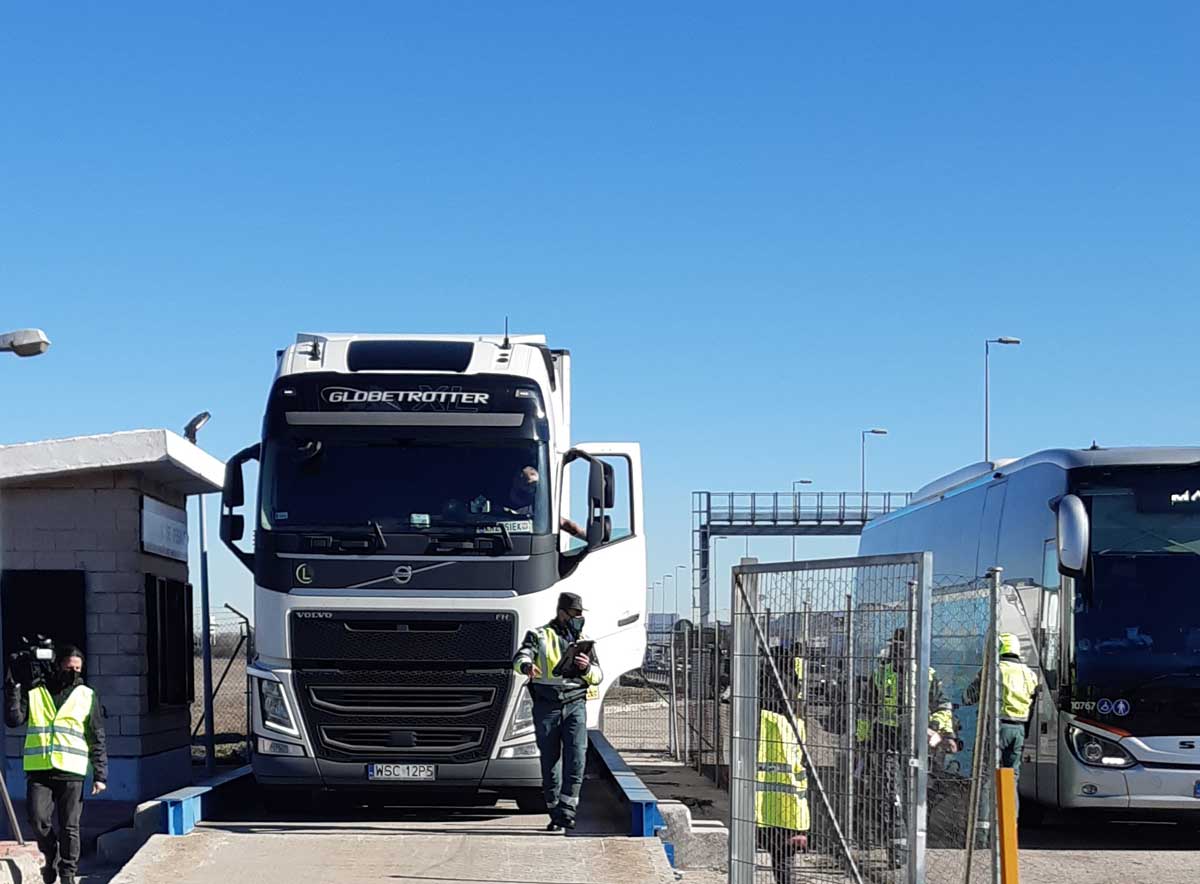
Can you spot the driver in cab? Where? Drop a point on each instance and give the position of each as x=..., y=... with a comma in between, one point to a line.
x=522, y=498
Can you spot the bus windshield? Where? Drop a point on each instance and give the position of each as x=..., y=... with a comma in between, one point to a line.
x=1137, y=610
x=405, y=486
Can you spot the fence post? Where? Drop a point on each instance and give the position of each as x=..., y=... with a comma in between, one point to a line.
x=994, y=713
x=673, y=711
x=922, y=605
x=851, y=727
x=743, y=755
x=687, y=698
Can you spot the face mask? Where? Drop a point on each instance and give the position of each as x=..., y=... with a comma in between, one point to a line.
x=576, y=624
x=68, y=678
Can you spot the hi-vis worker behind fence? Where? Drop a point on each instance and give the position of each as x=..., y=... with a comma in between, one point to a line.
x=781, y=788
x=1018, y=687
x=559, y=682
x=880, y=731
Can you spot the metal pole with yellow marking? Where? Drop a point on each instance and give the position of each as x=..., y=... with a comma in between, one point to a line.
x=1006, y=811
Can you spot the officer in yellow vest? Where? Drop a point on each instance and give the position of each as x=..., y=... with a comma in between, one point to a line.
x=781, y=791
x=1018, y=687
x=64, y=735
x=878, y=731
x=559, y=689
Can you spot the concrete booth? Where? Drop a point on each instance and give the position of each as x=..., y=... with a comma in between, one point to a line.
x=93, y=552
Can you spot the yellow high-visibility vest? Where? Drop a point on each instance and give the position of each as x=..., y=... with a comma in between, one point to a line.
x=549, y=651
x=1018, y=683
x=57, y=738
x=781, y=792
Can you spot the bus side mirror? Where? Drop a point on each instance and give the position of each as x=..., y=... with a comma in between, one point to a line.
x=1073, y=536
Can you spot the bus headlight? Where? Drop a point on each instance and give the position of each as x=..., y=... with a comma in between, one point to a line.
x=521, y=722
x=274, y=707
x=1096, y=751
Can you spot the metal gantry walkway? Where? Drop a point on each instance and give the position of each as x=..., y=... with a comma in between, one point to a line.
x=777, y=514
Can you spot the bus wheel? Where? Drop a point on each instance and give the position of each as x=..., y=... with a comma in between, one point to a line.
x=531, y=801
x=1031, y=815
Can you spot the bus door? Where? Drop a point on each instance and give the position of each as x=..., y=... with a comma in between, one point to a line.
x=1042, y=742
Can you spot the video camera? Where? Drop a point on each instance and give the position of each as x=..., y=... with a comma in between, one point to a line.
x=34, y=663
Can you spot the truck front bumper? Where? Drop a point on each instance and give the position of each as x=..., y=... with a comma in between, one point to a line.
x=504, y=775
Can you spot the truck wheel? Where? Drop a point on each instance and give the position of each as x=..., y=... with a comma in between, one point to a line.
x=531, y=802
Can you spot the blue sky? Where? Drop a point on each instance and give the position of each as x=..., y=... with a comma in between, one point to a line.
x=759, y=231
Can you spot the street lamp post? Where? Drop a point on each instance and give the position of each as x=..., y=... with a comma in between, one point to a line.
x=796, y=509
x=987, y=391
x=865, y=433
x=22, y=342
x=210, y=742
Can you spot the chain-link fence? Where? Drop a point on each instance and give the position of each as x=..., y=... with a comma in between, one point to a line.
x=962, y=657
x=637, y=710
x=231, y=638
x=850, y=680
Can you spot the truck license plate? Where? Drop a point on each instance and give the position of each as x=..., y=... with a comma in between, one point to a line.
x=401, y=772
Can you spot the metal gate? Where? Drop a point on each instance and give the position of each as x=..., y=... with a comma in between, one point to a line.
x=833, y=711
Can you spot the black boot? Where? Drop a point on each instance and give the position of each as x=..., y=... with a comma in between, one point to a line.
x=49, y=875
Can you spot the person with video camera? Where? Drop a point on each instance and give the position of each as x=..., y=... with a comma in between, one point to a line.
x=64, y=735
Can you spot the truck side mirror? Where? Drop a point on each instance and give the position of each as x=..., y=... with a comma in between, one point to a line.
x=596, y=498
x=1073, y=536
x=233, y=495
x=610, y=486
x=233, y=528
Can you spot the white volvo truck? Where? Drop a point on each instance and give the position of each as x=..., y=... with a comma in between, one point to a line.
x=414, y=501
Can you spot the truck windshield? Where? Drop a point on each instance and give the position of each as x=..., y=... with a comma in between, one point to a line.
x=1137, y=611
x=405, y=486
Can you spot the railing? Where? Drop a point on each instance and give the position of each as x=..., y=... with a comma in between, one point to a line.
x=804, y=507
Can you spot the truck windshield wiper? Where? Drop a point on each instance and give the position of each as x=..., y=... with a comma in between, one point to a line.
x=378, y=533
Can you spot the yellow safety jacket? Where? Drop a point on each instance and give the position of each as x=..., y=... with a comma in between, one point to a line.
x=544, y=648
x=57, y=738
x=1018, y=684
x=781, y=793
x=886, y=683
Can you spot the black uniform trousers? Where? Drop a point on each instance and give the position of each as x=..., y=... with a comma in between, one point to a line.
x=48, y=797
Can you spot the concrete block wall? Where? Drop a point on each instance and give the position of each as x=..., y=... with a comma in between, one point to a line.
x=92, y=523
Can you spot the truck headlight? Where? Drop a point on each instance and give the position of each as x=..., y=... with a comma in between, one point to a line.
x=1096, y=751
x=521, y=722
x=275, y=711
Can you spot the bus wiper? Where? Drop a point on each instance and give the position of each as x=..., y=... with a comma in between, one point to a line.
x=378, y=533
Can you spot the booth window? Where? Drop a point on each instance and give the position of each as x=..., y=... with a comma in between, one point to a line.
x=169, y=645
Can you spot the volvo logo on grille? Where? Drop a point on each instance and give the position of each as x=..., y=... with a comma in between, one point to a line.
x=304, y=574
x=402, y=574
x=315, y=615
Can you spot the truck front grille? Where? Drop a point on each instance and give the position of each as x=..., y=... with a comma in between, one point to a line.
x=420, y=715
x=387, y=742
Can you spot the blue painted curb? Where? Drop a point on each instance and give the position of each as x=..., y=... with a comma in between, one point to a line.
x=183, y=808
x=644, y=819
